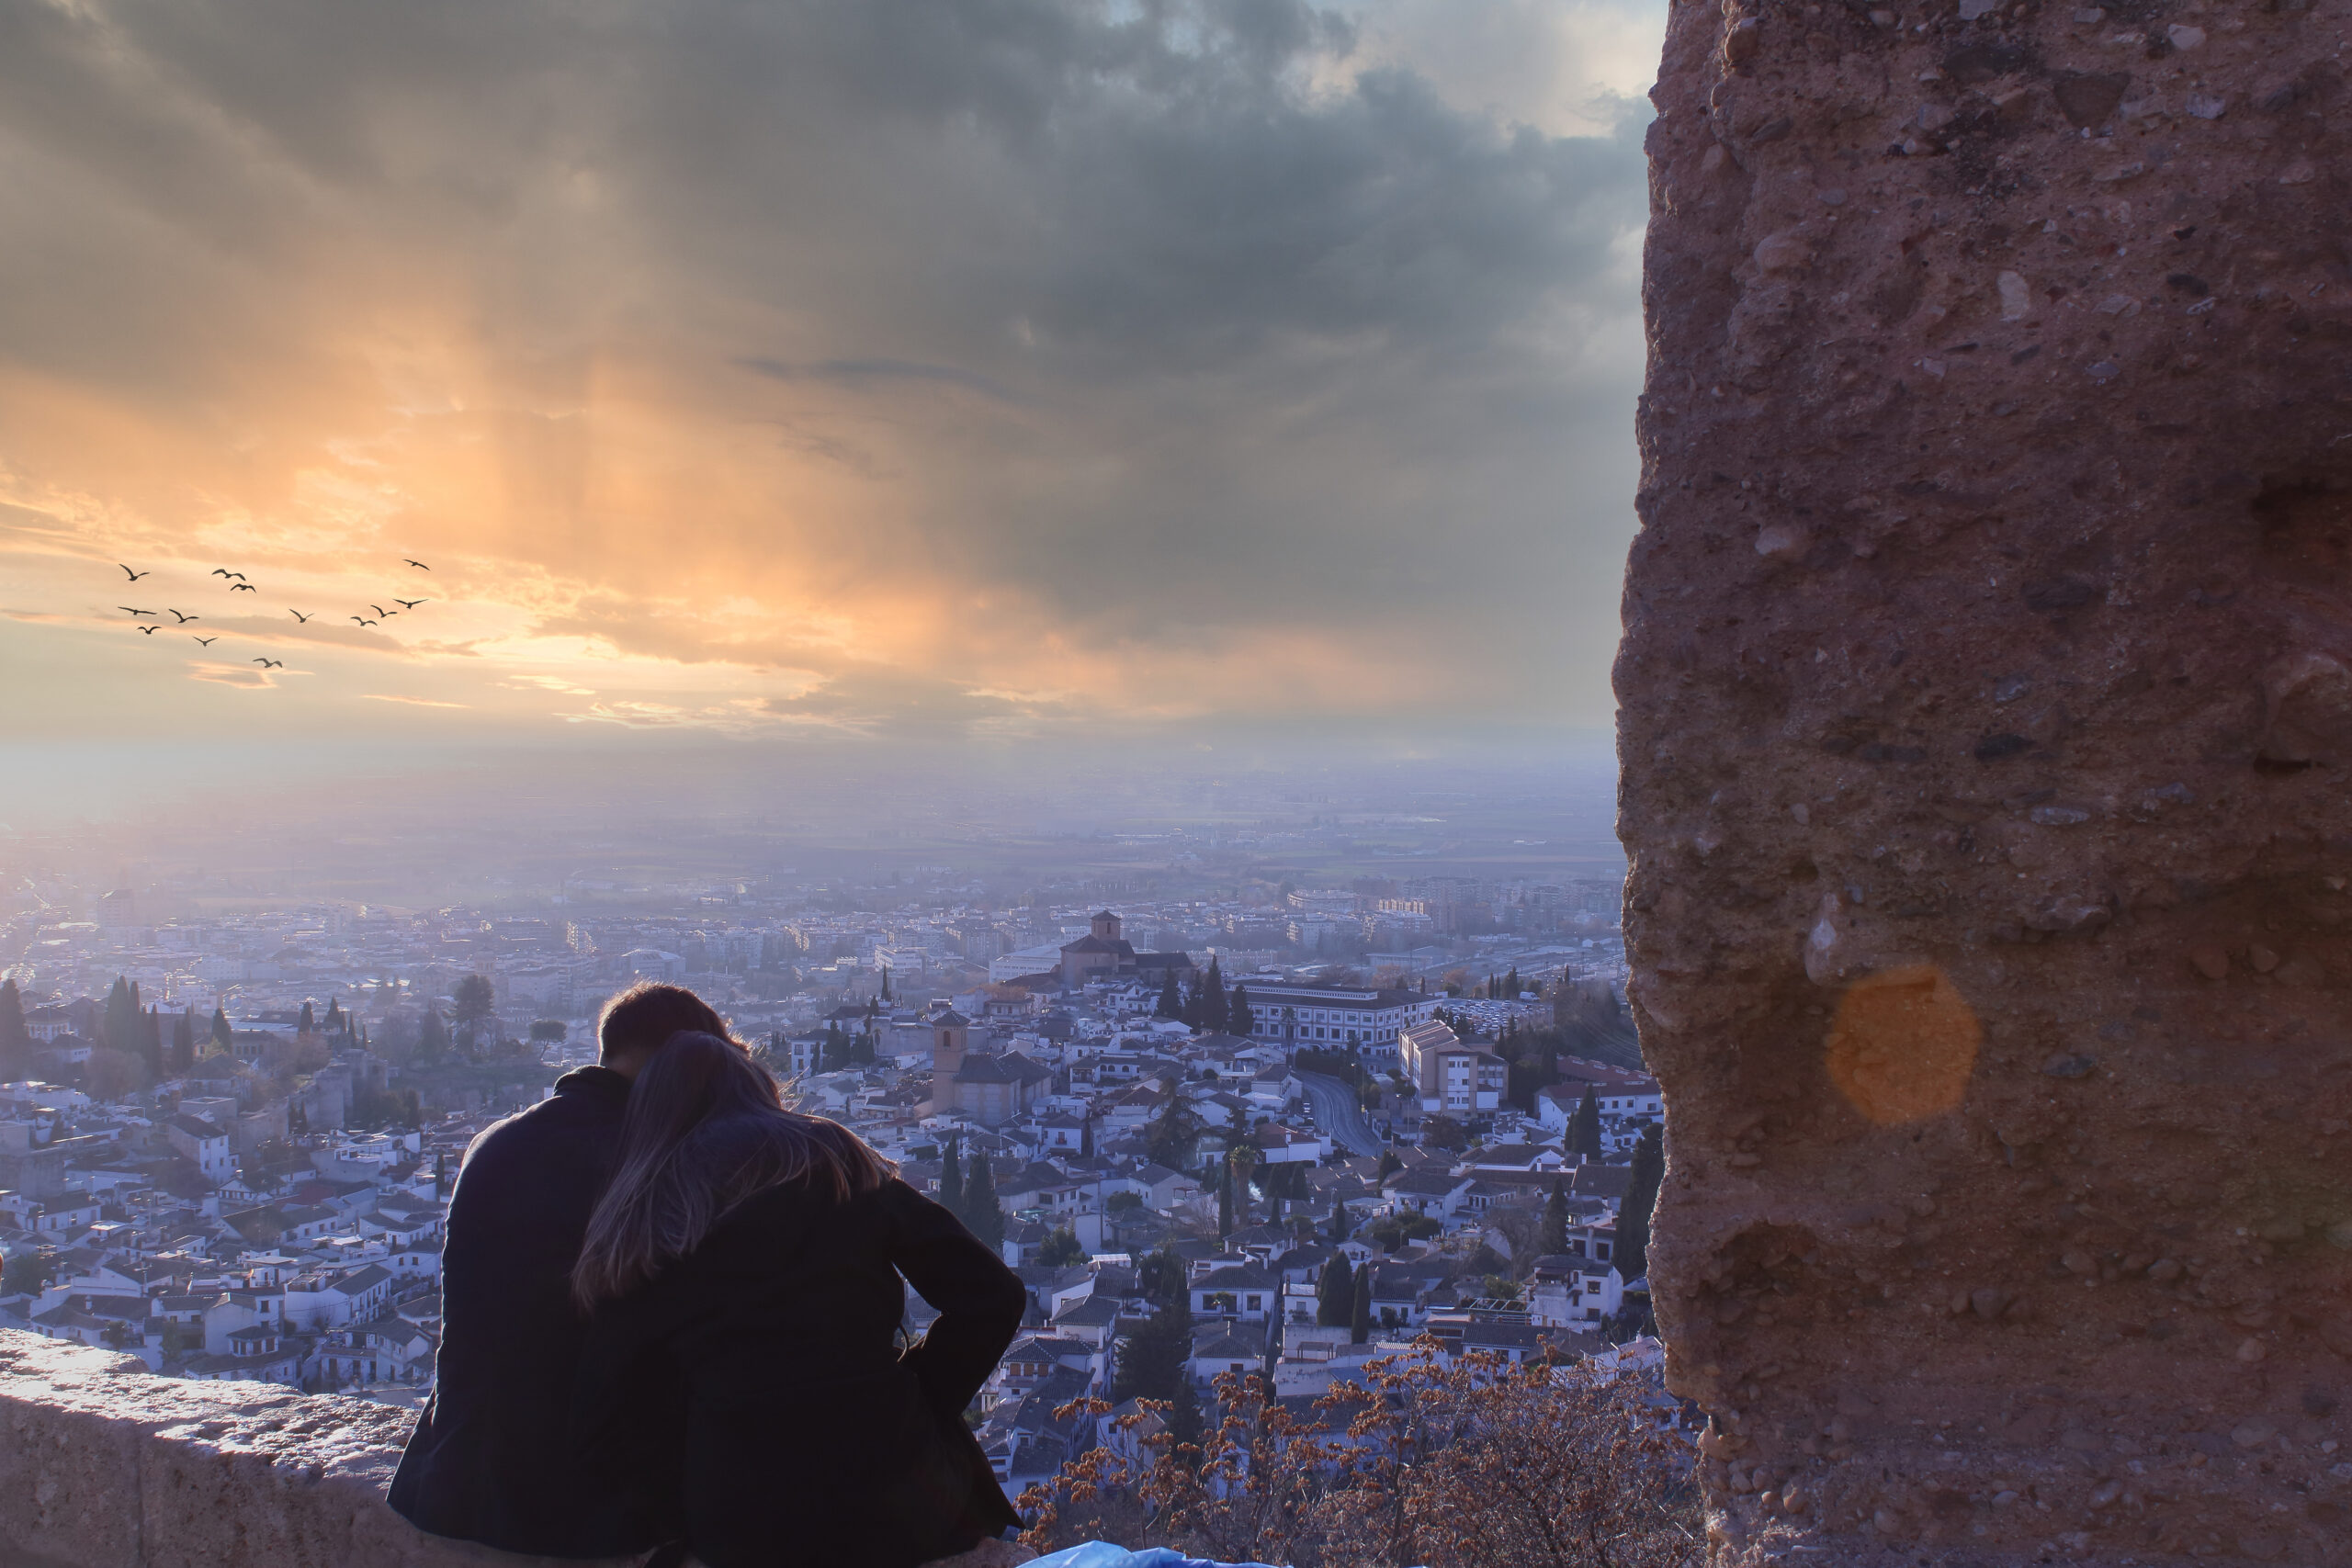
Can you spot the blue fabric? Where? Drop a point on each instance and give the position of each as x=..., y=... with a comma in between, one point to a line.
x=1103, y=1554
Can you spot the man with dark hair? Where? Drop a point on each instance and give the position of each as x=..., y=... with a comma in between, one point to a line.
x=491, y=1457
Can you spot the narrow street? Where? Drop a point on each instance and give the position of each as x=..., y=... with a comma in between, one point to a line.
x=1337, y=1112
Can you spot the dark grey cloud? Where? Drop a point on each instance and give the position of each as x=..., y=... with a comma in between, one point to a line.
x=874, y=372
x=1174, y=321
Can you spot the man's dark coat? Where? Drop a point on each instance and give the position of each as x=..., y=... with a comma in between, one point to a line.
x=491, y=1459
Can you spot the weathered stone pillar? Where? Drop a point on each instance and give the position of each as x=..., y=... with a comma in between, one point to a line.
x=1986, y=731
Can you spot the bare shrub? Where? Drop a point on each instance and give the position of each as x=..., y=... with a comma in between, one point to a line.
x=1461, y=1462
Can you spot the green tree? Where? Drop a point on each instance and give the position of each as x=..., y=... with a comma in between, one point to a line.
x=1335, y=1297
x=1584, y=1131
x=432, y=1037
x=1225, y=1197
x=184, y=1042
x=1214, y=1012
x=1634, y=1216
x=1390, y=1164
x=1184, y=1424
x=16, y=1040
x=121, y=1025
x=1175, y=1131
x=886, y=982
x=222, y=1039
x=549, y=1031
x=1554, y=1239
x=471, y=1003
x=1061, y=1249
x=1171, y=1006
x=982, y=1215
x=310, y=1022
x=150, y=1042
x=1155, y=1362
x=951, y=1181
x=28, y=1272
x=1444, y=1133
x=1237, y=1016
x=1359, y=1306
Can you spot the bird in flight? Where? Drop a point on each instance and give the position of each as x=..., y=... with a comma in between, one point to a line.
x=134, y=612
x=382, y=613
x=205, y=641
x=271, y=663
x=149, y=631
x=418, y=564
x=224, y=572
x=363, y=620
x=299, y=617
x=242, y=588
x=135, y=576
x=183, y=619
x=410, y=603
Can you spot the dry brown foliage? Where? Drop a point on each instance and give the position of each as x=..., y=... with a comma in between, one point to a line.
x=1432, y=1462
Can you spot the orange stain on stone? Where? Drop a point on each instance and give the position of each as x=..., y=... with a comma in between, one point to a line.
x=1903, y=1044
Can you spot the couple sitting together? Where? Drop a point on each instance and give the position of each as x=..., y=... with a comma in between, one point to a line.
x=672, y=1322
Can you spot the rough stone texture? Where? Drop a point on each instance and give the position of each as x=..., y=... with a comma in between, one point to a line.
x=105, y=1468
x=1986, y=713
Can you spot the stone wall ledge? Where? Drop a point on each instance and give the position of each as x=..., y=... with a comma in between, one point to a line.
x=103, y=1465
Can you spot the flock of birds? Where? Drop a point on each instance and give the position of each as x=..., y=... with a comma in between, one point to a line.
x=238, y=584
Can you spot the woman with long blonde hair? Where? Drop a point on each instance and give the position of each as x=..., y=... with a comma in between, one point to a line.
x=748, y=1259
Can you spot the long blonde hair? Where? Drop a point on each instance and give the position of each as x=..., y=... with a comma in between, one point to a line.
x=705, y=1131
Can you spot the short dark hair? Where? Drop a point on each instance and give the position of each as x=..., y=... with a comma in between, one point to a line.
x=648, y=1013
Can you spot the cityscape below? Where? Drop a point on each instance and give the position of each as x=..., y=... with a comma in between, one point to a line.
x=1353, y=1056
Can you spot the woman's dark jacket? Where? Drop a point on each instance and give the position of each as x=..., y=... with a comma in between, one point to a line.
x=811, y=1437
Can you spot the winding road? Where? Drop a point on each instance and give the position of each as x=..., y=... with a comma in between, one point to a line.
x=1338, y=1114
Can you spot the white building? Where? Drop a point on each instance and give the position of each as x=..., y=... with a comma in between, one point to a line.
x=1318, y=1017
x=205, y=1144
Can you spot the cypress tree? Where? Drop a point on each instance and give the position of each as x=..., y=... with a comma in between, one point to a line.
x=1584, y=1132
x=983, y=1216
x=16, y=1040
x=1335, y=1297
x=310, y=1022
x=886, y=982
x=1224, y=1199
x=121, y=1025
x=1237, y=1018
x=1214, y=1013
x=1171, y=1006
x=1359, y=1306
x=1641, y=1199
x=951, y=1181
x=150, y=1042
x=1184, y=1414
x=221, y=1035
x=432, y=1038
x=335, y=1018
x=1155, y=1360
x=1555, y=1221
x=184, y=1042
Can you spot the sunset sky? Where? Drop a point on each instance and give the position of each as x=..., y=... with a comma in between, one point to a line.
x=954, y=368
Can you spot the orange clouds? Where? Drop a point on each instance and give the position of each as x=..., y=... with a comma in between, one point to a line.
x=846, y=364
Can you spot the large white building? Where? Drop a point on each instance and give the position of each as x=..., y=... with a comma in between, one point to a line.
x=1451, y=1076
x=1317, y=1017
